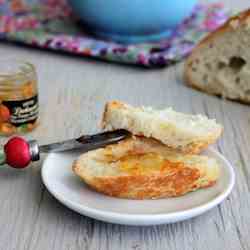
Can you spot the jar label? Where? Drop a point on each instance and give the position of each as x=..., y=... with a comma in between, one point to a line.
x=23, y=111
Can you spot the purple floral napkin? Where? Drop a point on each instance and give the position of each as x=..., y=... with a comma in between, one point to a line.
x=49, y=24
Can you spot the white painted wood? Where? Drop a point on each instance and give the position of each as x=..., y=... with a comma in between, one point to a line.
x=72, y=94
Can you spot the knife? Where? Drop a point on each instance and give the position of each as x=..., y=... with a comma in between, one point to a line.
x=18, y=152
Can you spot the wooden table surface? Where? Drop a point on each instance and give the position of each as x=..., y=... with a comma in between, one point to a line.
x=72, y=94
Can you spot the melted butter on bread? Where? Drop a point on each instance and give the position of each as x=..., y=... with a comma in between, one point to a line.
x=141, y=168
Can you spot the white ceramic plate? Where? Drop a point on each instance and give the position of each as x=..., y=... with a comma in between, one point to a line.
x=73, y=193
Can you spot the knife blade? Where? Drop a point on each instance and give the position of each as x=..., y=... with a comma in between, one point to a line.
x=85, y=142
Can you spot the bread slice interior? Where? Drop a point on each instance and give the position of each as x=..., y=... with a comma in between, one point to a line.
x=184, y=132
x=220, y=64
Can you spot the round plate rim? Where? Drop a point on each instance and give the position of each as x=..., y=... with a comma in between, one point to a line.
x=143, y=219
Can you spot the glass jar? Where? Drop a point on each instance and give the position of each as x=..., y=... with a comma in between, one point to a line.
x=18, y=97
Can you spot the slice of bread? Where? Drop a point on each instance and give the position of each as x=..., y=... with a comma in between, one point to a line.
x=220, y=64
x=183, y=132
x=142, y=168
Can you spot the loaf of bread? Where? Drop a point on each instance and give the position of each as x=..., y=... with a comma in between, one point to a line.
x=142, y=168
x=220, y=64
x=182, y=132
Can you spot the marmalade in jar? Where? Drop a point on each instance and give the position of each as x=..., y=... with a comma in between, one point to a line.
x=18, y=97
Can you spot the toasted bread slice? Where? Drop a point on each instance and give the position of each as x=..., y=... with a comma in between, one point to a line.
x=220, y=64
x=183, y=132
x=142, y=168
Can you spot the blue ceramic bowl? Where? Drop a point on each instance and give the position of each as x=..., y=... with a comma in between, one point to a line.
x=132, y=21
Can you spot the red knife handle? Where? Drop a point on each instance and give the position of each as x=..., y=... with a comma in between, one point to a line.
x=18, y=153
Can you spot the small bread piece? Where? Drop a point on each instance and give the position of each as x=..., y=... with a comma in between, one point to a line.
x=220, y=64
x=183, y=132
x=142, y=168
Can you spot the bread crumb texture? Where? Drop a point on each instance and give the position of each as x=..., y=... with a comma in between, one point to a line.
x=220, y=64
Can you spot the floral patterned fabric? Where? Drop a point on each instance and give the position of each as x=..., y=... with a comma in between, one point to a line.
x=50, y=24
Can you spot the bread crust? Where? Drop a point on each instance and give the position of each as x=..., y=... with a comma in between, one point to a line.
x=179, y=180
x=198, y=147
x=233, y=23
x=148, y=187
x=109, y=105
